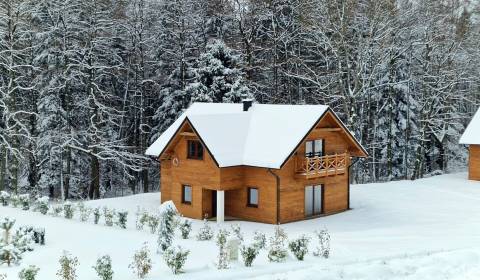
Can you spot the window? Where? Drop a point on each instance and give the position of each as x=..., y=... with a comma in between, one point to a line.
x=186, y=194
x=194, y=149
x=314, y=148
x=313, y=200
x=252, y=197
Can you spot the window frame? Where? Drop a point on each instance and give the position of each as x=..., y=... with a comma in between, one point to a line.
x=312, y=143
x=249, y=197
x=196, y=151
x=184, y=186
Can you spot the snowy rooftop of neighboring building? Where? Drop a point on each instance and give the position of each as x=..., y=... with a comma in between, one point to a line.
x=472, y=133
x=263, y=136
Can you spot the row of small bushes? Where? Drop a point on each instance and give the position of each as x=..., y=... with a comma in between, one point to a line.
x=168, y=220
x=66, y=209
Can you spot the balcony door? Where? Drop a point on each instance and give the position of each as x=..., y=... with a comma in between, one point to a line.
x=314, y=148
x=313, y=200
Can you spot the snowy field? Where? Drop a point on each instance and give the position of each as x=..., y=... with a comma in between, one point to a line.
x=425, y=229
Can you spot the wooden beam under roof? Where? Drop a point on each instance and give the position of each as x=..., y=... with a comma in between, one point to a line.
x=329, y=129
x=189, y=134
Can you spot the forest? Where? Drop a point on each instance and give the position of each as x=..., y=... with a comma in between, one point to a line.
x=87, y=85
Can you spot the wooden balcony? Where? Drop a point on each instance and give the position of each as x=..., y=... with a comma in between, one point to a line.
x=316, y=167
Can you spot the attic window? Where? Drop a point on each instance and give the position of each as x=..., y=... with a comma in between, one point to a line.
x=194, y=149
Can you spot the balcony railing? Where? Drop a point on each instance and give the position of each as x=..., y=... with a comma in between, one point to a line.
x=315, y=167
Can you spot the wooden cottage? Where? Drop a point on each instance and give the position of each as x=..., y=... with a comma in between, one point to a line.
x=471, y=137
x=264, y=163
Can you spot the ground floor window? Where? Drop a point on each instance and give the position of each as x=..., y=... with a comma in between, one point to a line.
x=313, y=200
x=186, y=194
x=252, y=197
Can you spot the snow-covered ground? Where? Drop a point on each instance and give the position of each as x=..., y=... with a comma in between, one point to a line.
x=425, y=229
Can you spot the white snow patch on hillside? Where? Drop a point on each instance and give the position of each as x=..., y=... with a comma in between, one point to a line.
x=424, y=229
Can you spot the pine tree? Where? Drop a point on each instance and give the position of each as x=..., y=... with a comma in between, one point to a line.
x=218, y=76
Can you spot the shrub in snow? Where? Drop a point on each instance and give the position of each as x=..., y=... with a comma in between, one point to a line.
x=68, y=210
x=96, y=215
x=205, y=232
x=24, y=201
x=142, y=263
x=108, y=214
x=103, y=267
x=166, y=229
x=249, y=253
x=28, y=273
x=84, y=211
x=221, y=241
x=299, y=247
x=4, y=198
x=9, y=254
x=259, y=240
x=122, y=219
x=141, y=218
x=3, y=277
x=57, y=210
x=185, y=228
x=277, y=251
x=41, y=205
x=323, y=249
x=15, y=200
x=175, y=258
x=39, y=236
x=153, y=221
x=68, y=267
x=23, y=239
x=6, y=225
x=237, y=231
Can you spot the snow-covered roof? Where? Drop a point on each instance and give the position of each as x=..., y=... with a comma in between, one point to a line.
x=263, y=136
x=472, y=133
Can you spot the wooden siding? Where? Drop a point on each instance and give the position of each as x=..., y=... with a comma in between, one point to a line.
x=474, y=163
x=236, y=200
x=201, y=175
x=292, y=193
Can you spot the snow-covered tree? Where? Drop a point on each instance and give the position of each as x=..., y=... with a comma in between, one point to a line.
x=218, y=76
x=166, y=229
x=9, y=253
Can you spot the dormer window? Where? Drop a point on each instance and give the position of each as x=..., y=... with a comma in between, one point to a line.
x=194, y=149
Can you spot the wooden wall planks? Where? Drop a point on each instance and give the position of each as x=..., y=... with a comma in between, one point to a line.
x=474, y=163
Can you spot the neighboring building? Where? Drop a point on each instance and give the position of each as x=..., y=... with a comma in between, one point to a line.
x=265, y=163
x=471, y=137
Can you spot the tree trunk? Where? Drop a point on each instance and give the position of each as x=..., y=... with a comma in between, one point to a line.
x=3, y=165
x=94, y=190
x=145, y=180
x=67, y=174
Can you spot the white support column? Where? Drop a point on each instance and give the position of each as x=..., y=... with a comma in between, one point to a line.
x=220, y=206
